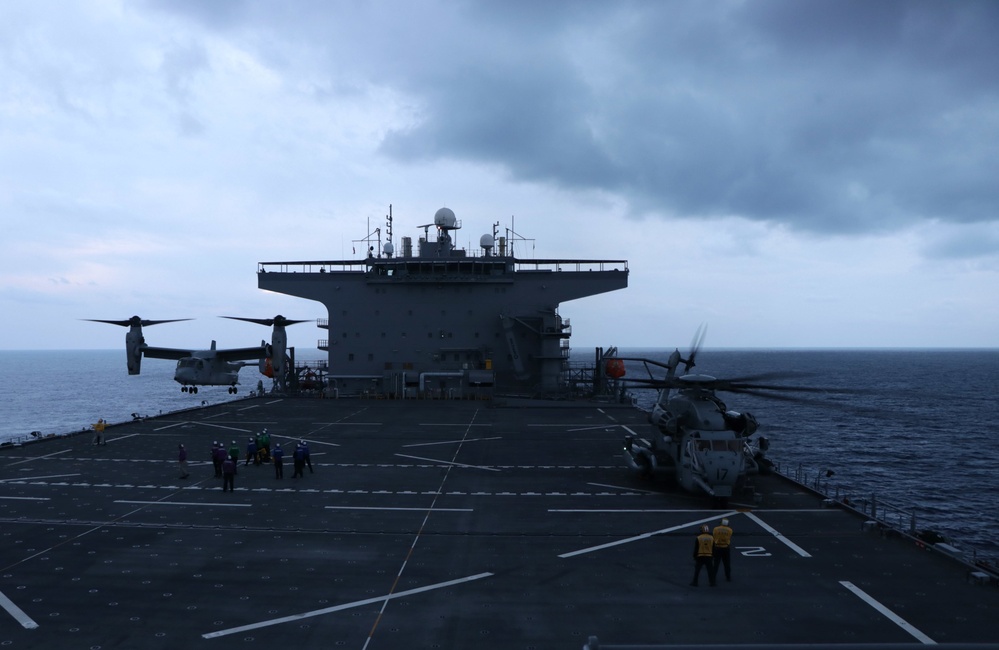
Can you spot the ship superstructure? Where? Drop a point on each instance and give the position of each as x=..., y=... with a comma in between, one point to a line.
x=443, y=322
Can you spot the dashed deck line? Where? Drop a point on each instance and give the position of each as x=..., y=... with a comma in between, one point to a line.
x=215, y=488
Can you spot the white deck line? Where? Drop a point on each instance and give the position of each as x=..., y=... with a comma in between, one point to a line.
x=887, y=613
x=337, y=608
x=773, y=531
x=447, y=462
x=688, y=524
x=17, y=612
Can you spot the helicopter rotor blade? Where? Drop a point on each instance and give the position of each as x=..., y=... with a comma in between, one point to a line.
x=695, y=347
x=741, y=387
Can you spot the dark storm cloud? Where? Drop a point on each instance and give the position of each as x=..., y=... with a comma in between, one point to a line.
x=827, y=116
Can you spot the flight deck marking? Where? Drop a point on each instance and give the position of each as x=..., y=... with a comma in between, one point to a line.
x=452, y=424
x=451, y=442
x=28, y=460
x=185, y=503
x=350, y=424
x=621, y=487
x=403, y=509
x=17, y=612
x=27, y=498
x=616, y=510
x=175, y=424
x=636, y=538
x=221, y=426
x=445, y=462
x=338, y=608
x=773, y=531
x=311, y=441
x=131, y=435
x=887, y=613
x=35, y=478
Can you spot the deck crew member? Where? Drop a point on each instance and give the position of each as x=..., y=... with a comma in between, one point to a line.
x=722, y=545
x=229, y=475
x=99, y=432
x=278, y=456
x=306, y=456
x=299, y=459
x=702, y=556
x=251, y=453
x=182, y=461
x=264, y=443
x=233, y=454
x=218, y=455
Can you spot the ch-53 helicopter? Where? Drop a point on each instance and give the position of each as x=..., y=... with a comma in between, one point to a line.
x=695, y=437
x=211, y=367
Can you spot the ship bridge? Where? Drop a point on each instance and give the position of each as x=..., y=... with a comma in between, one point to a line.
x=443, y=323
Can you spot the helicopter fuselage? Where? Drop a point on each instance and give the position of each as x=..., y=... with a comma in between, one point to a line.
x=202, y=371
x=706, y=447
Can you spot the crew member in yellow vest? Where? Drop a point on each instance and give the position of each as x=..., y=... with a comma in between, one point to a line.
x=703, y=556
x=722, y=544
x=99, y=432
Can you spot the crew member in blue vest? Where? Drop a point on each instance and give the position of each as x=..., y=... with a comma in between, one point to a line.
x=306, y=456
x=278, y=461
x=703, y=556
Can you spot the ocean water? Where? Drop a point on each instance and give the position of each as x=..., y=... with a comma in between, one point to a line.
x=65, y=391
x=919, y=429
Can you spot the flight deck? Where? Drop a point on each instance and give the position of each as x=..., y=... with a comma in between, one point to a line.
x=438, y=524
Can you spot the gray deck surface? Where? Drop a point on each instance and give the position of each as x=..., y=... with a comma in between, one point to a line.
x=434, y=525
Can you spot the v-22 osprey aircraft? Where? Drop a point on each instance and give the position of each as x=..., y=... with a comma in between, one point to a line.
x=211, y=367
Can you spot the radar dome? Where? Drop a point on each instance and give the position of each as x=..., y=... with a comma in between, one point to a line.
x=444, y=218
x=486, y=241
x=388, y=249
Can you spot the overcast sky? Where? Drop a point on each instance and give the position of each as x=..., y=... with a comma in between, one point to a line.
x=792, y=173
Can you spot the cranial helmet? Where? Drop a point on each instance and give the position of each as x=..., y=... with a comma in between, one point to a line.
x=724, y=522
x=704, y=528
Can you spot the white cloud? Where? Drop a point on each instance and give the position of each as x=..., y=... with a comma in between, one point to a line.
x=784, y=176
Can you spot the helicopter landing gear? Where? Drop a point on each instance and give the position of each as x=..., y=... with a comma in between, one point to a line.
x=232, y=390
x=189, y=389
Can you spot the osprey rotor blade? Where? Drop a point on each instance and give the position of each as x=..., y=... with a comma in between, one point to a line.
x=133, y=321
x=277, y=320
